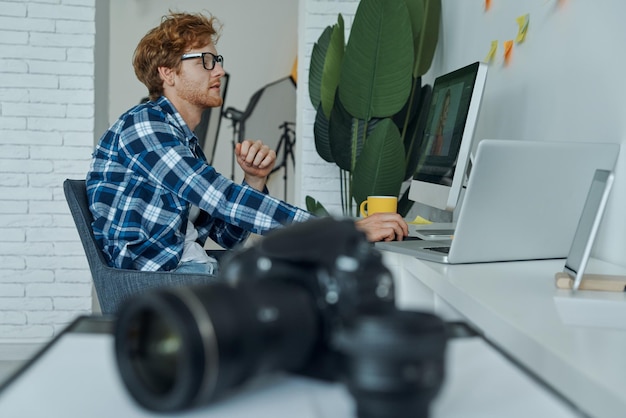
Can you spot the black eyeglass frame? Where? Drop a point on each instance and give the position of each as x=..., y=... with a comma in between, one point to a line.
x=214, y=59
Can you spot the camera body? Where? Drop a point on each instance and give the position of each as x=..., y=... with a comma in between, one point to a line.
x=314, y=299
x=342, y=272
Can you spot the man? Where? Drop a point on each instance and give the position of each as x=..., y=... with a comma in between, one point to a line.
x=154, y=198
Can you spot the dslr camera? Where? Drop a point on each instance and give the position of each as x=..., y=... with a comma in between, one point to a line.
x=313, y=299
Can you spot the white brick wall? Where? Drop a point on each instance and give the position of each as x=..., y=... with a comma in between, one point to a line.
x=317, y=178
x=46, y=136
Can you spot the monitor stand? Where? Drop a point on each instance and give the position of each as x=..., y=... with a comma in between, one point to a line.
x=430, y=223
x=443, y=222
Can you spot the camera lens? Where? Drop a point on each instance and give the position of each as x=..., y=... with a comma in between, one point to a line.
x=156, y=360
x=182, y=347
x=161, y=355
x=395, y=362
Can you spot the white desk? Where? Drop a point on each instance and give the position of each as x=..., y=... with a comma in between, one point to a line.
x=576, y=343
x=77, y=378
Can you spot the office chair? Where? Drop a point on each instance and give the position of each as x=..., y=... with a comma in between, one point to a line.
x=106, y=278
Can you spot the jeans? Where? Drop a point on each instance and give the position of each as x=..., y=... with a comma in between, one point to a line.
x=114, y=289
x=210, y=268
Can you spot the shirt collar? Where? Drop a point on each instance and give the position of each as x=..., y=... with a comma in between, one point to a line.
x=190, y=138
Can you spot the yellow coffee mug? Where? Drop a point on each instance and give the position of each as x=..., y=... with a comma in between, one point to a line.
x=375, y=204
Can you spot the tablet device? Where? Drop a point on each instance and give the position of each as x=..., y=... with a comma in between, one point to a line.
x=586, y=231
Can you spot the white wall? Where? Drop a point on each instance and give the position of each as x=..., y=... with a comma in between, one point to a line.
x=564, y=83
x=316, y=177
x=46, y=135
x=47, y=63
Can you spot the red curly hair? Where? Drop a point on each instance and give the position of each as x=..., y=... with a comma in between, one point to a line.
x=164, y=45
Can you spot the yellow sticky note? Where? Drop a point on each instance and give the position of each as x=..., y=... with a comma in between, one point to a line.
x=522, y=21
x=420, y=221
x=492, y=51
x=508, y=51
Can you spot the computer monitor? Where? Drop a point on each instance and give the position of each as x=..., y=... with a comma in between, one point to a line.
x=446, y=143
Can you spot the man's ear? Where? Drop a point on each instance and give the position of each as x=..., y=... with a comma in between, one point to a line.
x=167, y=75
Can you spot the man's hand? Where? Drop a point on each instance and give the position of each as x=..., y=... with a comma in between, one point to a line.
x=256, y=160
x=383, y=227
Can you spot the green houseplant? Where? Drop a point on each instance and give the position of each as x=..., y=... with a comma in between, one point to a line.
x=368, y=95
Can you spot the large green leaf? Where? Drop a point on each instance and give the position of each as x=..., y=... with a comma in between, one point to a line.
x=380, y=168
x=347, y=135
x=321, y=135
x=316, y=69
x=340, y=135
x=376, y=72
x=416, y=14
x=408, y=113
x=332, y=66
x=315, y=207
x=428, y=38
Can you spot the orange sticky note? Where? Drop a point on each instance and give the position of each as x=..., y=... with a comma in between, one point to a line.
x=508, y=50
x=558, y=2
x=487, y=4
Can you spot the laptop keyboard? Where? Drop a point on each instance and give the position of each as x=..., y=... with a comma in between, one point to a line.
x=443, y=250
x=433, y=232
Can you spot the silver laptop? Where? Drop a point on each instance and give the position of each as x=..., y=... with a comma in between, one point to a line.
x=588, y=226
x=523, y=202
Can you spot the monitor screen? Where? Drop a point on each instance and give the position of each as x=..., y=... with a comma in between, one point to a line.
x=447, y=138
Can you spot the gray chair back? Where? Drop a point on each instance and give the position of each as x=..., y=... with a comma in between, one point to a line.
x=114, y=285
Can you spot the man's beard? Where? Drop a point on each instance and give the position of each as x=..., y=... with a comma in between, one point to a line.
x=202, y=98
x=214, y=101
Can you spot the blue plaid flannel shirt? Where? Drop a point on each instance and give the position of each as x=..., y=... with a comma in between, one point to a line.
x=145, y=173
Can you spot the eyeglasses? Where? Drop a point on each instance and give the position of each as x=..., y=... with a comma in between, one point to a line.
x=208, y=59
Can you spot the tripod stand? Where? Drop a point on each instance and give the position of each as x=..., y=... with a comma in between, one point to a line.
x=236, y=117
x=286, y=142
x=268, y=107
